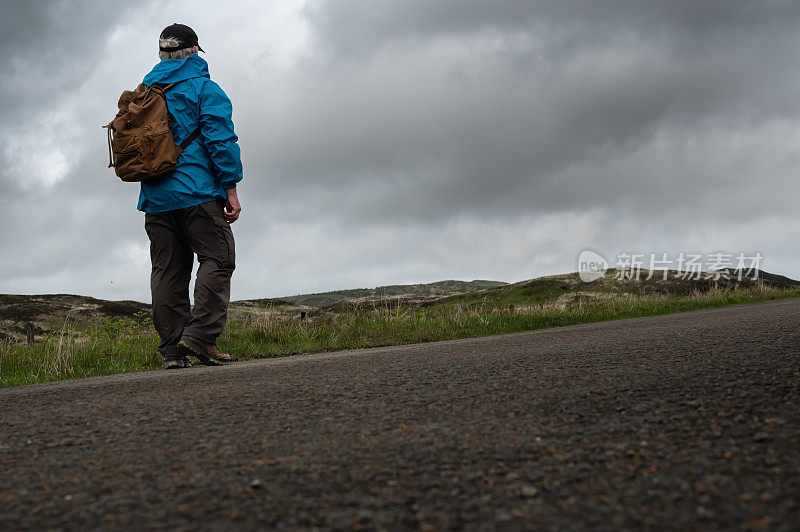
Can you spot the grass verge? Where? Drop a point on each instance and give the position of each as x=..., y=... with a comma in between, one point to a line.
x=126, y=345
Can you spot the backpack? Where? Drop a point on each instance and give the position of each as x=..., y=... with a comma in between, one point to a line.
x=140, y=142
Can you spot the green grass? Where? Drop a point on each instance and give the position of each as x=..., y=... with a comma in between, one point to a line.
x=123, y=345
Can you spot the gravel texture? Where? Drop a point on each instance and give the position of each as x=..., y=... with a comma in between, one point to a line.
x=682, y=421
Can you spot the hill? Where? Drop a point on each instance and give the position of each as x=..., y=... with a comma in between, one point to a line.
x=422, y=291
x=48, y=314
x=568, y=289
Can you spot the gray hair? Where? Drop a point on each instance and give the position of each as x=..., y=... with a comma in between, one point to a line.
x=177, y=54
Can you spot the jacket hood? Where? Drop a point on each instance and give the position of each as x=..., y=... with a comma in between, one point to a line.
x=175, y=70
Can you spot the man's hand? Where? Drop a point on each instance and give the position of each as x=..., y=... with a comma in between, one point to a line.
x=232, y=206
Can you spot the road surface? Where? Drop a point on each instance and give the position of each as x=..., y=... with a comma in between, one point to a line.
x=690, y=420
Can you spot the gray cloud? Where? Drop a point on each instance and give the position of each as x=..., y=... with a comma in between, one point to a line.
x=361, y=27
x=48, y=50
x=432, y=109
x=49, y=47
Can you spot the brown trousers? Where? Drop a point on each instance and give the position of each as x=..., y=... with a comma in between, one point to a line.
x=175, y=237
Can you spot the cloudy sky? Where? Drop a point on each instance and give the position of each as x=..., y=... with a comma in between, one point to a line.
x=396, y=141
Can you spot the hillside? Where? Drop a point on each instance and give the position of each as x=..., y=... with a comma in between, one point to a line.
x=569, y=289
x=425, y=291
x=49, y=314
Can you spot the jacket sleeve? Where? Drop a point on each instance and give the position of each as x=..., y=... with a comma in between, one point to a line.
x=216, y=129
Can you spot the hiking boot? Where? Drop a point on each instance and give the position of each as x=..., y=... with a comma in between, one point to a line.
x=208, y=354
x=175, y=362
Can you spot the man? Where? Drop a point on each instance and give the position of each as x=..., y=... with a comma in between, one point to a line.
x=190, y=211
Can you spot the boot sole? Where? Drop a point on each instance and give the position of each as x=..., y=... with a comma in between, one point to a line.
x=192, y=347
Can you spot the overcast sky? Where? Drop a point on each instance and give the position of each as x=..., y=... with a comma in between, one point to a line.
x=398, y=141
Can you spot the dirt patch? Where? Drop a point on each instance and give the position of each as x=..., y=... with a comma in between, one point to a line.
x=123, y=309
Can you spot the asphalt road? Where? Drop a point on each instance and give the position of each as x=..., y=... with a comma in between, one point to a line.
x=682, y=421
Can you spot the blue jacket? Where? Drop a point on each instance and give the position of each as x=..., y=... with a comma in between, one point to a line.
x=211, y=164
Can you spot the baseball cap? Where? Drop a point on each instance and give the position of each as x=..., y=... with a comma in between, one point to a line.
x=185, y=36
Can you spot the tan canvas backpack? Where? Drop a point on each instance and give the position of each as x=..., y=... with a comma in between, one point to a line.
x=140, y=142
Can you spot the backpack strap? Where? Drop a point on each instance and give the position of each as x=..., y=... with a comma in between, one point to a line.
x=196, y=133
x=160, y=87
x=189, y=139
x=110, y=150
